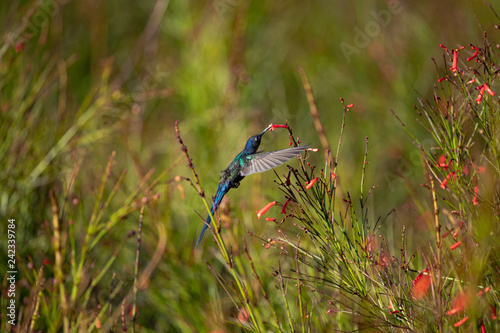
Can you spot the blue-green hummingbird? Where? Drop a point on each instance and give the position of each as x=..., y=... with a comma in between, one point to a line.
x=248, y=161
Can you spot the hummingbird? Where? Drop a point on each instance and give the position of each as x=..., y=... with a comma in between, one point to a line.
x=248, y=161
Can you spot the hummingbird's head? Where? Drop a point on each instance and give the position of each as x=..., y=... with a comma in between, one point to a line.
x=254, y=142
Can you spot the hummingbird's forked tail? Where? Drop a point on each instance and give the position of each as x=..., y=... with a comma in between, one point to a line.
x=221, y=192
x=205, y=227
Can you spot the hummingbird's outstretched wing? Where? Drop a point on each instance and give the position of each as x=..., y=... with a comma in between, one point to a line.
x=267, y=161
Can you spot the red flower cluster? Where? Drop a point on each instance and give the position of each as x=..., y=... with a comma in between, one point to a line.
x=462, y=301
x=445, y=165
x=474, y=200
x=482, y=89
x=442, y=163
x=454, y=68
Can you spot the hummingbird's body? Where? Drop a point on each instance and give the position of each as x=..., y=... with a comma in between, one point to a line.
x=248, y=161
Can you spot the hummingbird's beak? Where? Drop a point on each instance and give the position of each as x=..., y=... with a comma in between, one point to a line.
x=264, y=131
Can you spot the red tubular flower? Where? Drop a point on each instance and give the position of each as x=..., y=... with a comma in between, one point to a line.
x=474, y=200
x=311, y=183
x=493, y=312
x=350, y=105
x=455, y=60
x=454, y=246
x=471, y=81
x=443, y=183
x=441, y=79
x=473, y=56
x=442, y=162
x=313, y=149
x=421, y=285
x=243, y=315
x=283, y=209
x=479, y=97
x=277, y=126
x=480, y=169
x=459, y=303
x=465, y=170
x=265, y=209
x=488, y=90
x=459, y=323
x=288, y=178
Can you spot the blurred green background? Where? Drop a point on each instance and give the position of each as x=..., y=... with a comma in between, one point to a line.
x=224, y=70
